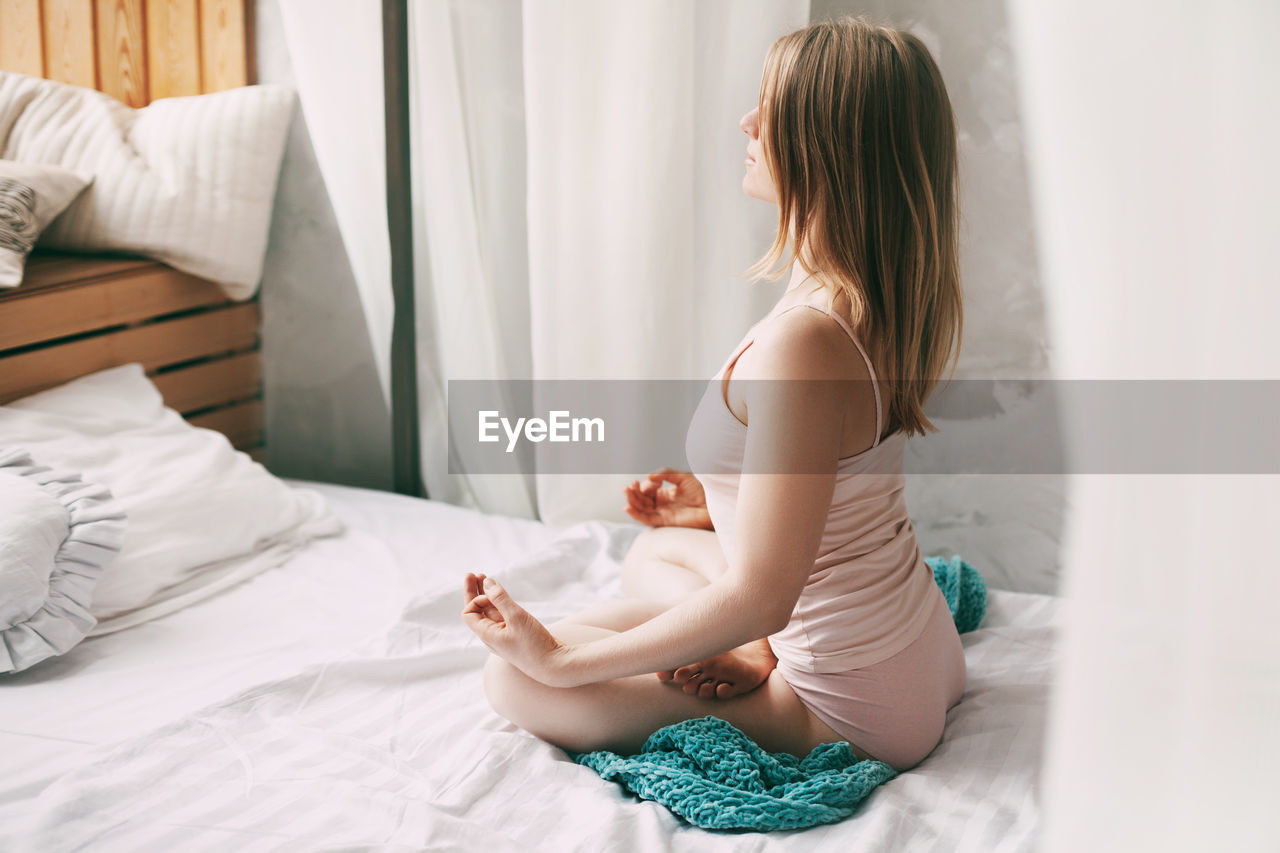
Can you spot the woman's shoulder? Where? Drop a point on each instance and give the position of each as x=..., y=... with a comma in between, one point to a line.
x=804, y=342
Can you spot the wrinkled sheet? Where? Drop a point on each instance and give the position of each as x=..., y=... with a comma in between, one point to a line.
x=357, y=720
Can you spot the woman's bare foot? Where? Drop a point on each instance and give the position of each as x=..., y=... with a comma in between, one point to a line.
x=733, y=673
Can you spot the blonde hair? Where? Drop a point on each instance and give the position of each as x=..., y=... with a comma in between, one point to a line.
x=858, y=134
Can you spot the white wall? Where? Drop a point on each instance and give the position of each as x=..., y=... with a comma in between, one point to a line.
x=1007, y=526
x=325, y=415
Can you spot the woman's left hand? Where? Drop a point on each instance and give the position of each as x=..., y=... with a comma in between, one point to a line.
x=511, y=632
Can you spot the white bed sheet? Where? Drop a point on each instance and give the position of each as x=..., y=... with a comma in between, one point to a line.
x=335, y=703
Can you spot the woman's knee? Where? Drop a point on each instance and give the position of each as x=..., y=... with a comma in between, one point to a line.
x=512, y=693
x=694, y=550
x=503, y=686
x=645, y=546
x=527, y=704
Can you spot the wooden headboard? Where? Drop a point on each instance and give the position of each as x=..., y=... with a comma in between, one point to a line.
x=137, y=51
x=77, y=314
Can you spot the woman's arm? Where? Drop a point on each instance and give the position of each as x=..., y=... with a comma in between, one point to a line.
x=795, y=428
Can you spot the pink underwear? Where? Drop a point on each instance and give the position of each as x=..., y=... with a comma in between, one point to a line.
x=894, y=710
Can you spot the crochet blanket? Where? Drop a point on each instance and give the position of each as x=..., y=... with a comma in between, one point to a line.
x=715, y=777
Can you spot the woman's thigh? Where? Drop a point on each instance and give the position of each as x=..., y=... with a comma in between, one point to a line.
x=621, y=714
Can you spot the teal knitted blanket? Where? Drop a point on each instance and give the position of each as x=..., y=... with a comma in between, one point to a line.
x=714, y=776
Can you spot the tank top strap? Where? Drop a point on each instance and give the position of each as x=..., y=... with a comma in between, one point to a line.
x=875, y=385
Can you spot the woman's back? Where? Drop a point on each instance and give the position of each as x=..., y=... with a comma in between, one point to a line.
x=867, y=595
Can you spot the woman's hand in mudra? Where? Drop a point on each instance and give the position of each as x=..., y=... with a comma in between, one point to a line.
x=511, y=632
x=654, y=505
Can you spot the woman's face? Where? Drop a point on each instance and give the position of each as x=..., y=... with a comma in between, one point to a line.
x=757, y=182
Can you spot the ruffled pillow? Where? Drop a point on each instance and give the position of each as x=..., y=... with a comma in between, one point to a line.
x=203, y=516
x=57, y=533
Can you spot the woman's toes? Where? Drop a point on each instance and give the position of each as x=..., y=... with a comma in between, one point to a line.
x=724, y=690
x=684, y=673
x=707, y=690
x=667, y=675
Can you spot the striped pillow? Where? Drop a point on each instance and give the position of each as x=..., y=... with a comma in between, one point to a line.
x=31, y=196
x=188, y=181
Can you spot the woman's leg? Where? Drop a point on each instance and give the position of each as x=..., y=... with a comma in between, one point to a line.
x=664, y=565
x=668, y=563
x=621, y=714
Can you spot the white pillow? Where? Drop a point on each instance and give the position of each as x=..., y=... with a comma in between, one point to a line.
x=31, y=196
x=202, y=516
x=189, y=181
x=56, y=534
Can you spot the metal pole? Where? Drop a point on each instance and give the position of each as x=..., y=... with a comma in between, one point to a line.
x=405, y=449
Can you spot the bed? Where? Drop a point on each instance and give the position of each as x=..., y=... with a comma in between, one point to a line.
x=335, y=703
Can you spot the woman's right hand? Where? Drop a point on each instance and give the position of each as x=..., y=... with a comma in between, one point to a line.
x=657, y=506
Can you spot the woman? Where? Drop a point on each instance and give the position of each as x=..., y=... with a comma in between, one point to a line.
x=797, y=586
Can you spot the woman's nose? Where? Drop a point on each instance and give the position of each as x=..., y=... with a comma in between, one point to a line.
x=750, y=123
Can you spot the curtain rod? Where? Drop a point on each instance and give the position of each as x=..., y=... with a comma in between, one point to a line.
x=405, y=449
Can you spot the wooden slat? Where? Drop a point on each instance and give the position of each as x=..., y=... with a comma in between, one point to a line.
x=173, y=48
x=250, y=49
x=122, y=53
x=154, y=345
x=58, y=313
x=69, y=53
x=242, y=424
x=49, y=269
x=223, y=45
x=21, y=46
x=190, y=389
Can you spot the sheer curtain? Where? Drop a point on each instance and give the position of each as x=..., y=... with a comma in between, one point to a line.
x=577, y=177
x=1152, y=133
x=578, y=209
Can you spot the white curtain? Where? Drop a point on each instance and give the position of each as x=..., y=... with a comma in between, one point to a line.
x=472, y=295
x=1153, y=133
x=577, y=175
x=578, y=209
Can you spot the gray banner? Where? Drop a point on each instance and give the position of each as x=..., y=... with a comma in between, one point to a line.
x=987, y=426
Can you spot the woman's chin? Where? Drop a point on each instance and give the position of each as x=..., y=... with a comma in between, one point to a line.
x=749, y=190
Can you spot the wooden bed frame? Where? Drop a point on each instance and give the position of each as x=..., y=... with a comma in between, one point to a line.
x=77, y=314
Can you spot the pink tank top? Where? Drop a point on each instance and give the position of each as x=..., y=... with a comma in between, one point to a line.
x=869, y=594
